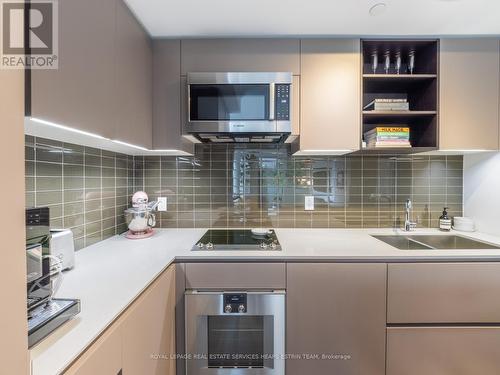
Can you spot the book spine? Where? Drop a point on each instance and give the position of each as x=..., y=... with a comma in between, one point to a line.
x=380, y=129
x=391, y=106
x=382, y=100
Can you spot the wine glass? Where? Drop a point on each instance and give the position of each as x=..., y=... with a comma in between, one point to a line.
x=374, y=62
x=398, y=62
x=411, y=61
x=387, y=62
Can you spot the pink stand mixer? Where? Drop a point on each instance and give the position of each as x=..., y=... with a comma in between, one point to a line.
x=140, y=217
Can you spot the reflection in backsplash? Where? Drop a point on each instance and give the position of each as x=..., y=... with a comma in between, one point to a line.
x=249, y=186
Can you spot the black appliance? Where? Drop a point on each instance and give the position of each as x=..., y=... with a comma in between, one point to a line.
x=37, y=250
x=237, y=239
x=44, y=313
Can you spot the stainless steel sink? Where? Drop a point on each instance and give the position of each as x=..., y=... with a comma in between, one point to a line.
x=434, y=242
x=402, y=243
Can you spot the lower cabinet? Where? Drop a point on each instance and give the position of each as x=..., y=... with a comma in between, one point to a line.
x=443, y=293
x=141, y=341
x=149, y=330
x=103, y=357
x=443, y=350
x=336, y=316
x=443, y=319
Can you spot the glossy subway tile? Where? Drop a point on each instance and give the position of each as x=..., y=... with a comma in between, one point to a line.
x=229, y=186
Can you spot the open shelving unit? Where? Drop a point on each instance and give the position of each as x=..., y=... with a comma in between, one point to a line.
x=419, y=88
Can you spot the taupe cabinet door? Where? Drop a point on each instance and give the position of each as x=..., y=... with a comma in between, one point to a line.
x=241, y=55
x=103, y=357
x=141, y=340
x=469, y=94
x=336, y=309
x=443, y=351
x=167, y=94
x=443, y=293
x=235, y=276
x=80, y=93
x=149, y=329
x=330, y=94
x=133, y=80
x=104, y=83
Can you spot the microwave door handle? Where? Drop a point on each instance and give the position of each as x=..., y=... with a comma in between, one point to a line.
x=272, y=101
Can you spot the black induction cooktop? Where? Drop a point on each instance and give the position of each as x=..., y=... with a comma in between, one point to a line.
x=236, y=239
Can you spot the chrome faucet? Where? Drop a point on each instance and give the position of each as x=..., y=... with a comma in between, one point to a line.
x=409, y=225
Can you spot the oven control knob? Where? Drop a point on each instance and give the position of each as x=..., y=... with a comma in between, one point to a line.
x=200, y=245
x=263, y=245
x=209, y=246
x=241, y=308
x=228, y=309
x=273, y=246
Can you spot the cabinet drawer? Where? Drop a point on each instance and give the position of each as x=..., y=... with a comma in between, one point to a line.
x=235, y=275
x=102, y=357
x=444, y=293
x=443, y=351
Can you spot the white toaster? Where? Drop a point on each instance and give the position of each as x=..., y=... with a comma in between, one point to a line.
x=62, y=247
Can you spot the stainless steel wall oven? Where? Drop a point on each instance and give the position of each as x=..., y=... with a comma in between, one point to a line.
x=235, y=333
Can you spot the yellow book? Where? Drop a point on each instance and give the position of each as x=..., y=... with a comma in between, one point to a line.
x=392, y=129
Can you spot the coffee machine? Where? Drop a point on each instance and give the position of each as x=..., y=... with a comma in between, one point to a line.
x=37, y=262
x=45, y=313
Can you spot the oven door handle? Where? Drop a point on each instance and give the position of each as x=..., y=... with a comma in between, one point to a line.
x=272, y=100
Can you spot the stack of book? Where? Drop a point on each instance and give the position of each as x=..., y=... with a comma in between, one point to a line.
x=388, y=105
x=388, y=137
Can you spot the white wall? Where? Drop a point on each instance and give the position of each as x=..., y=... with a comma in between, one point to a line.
x=482, y=191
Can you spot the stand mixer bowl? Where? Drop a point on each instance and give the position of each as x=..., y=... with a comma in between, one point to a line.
x=139, y=220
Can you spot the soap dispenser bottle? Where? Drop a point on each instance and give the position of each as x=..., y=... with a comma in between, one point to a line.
x=445, y=221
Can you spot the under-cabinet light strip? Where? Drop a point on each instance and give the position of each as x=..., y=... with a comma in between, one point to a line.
x=93, y=135
x=465, y=150
x=130, y=145
x=64, y=127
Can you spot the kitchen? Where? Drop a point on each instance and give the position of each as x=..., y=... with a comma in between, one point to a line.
x=314, y=193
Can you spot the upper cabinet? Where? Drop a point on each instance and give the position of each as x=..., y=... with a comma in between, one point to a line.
x=167, y=128
x=103, y=84
x=241, y=55
x=330, y=95
x=133, y=80
x=469, y=94
x=400, y=89
x=80, y=93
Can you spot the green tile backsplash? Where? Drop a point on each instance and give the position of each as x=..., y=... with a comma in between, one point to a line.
x=249, y=186
x=222, y=186
x=86, y=189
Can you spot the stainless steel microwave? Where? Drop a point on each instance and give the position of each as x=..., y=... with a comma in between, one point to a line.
x=237, y=107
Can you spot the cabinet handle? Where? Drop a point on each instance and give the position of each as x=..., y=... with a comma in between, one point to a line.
x=120, y=372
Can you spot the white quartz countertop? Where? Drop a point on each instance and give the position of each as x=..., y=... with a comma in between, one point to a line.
x=109, y=275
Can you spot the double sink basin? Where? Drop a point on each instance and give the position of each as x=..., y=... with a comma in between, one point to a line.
x=434, y=242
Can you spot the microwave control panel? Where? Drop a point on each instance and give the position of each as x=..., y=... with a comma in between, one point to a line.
x=282, y=102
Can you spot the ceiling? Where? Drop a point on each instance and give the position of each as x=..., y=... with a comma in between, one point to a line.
x=231, y=18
